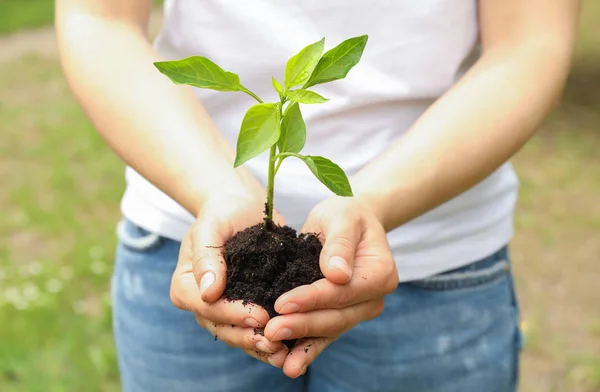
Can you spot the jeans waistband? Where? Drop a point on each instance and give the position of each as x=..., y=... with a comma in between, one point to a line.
x=483, y=271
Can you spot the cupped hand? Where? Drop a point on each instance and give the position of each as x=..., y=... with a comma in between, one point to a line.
x=359, y=271
x=200, y=276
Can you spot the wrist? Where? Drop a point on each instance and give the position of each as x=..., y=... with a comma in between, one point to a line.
x=222, y=186
x=363, y=204
x=374, y=205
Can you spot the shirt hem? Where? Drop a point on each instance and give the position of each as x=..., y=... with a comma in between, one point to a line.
x=427, y=262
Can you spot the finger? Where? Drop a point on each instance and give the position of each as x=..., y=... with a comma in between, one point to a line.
x=277, y=359
x=373, y=278
x=322, y=323
x=304, y=352
x=342, y=235
x=252, y=343
x=186, y=295
x=238, y=337
x=207, y=240
x=226, y=312
x=278, y=218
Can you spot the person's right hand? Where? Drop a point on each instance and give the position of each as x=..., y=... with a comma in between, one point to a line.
x=199, y=279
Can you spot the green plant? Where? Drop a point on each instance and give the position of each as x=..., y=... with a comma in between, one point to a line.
x=279, y=126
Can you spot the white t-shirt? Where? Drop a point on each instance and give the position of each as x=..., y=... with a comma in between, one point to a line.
x=416, y=51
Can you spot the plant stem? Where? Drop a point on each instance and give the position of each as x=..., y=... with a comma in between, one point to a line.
x=250, y=93
x=271, y=176
x=289, y=154
x=270, y=185
x=280, y=161
x=282, y=156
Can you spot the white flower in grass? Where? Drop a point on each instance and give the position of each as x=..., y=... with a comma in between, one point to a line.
x=15, y=297
x=96, y=252
x=54, y=285
x=21, y=304
x=34, y=268
x=31, y=291
x=19, y=218
x=12, y=294
x=98, y=267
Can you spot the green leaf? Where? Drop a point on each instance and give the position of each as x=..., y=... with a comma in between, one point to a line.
x=293, y=130
x=330, y=174
x=260, y=130
x=337, y=62
x=200, y=72
x=300, y=67
x=277, y=86
x=305, y=96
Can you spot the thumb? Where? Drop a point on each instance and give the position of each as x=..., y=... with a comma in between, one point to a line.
x=342, y=236
x=208, y=241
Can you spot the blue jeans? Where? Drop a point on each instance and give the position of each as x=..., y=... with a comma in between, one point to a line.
x=454, y=332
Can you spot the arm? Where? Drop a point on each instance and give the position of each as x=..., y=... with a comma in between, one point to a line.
x=485, y=118
x=158, y=128
x=162, y=131
x=461, y=139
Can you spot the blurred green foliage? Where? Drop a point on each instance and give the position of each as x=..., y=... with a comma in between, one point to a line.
x=22, y=14
x=60, y=195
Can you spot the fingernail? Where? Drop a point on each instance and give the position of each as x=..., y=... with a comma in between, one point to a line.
x=340, y=263
x=251, y=322
x=271, y=361
x=290, y=307
x=261, y=346
x=206, y=281
x=282, y=334
x=303, y=372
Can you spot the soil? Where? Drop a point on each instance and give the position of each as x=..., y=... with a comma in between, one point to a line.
x=265, y=261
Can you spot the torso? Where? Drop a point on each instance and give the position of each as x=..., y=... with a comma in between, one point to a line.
x=416, y=52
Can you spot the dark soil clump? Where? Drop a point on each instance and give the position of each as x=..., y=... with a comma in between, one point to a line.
x=262, y=264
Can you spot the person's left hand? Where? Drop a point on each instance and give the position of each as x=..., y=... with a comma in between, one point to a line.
x=359, y=270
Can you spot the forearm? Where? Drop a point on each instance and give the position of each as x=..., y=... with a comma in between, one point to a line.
x=466, y=135
x=160, y=129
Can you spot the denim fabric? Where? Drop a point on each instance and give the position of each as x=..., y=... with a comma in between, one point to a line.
x=454, y=332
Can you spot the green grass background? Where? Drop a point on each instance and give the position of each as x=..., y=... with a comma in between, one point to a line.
x=22, y=14
x=60, y=195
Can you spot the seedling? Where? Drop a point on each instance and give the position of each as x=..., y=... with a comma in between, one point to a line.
x=279, y=126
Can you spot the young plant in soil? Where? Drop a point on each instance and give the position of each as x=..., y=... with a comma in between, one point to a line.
x=266, y=260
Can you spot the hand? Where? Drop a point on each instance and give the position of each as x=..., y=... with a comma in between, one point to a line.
x=200, y=276
x=359, y=270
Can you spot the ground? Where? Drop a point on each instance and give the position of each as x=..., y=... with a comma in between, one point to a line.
x=60, y=194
